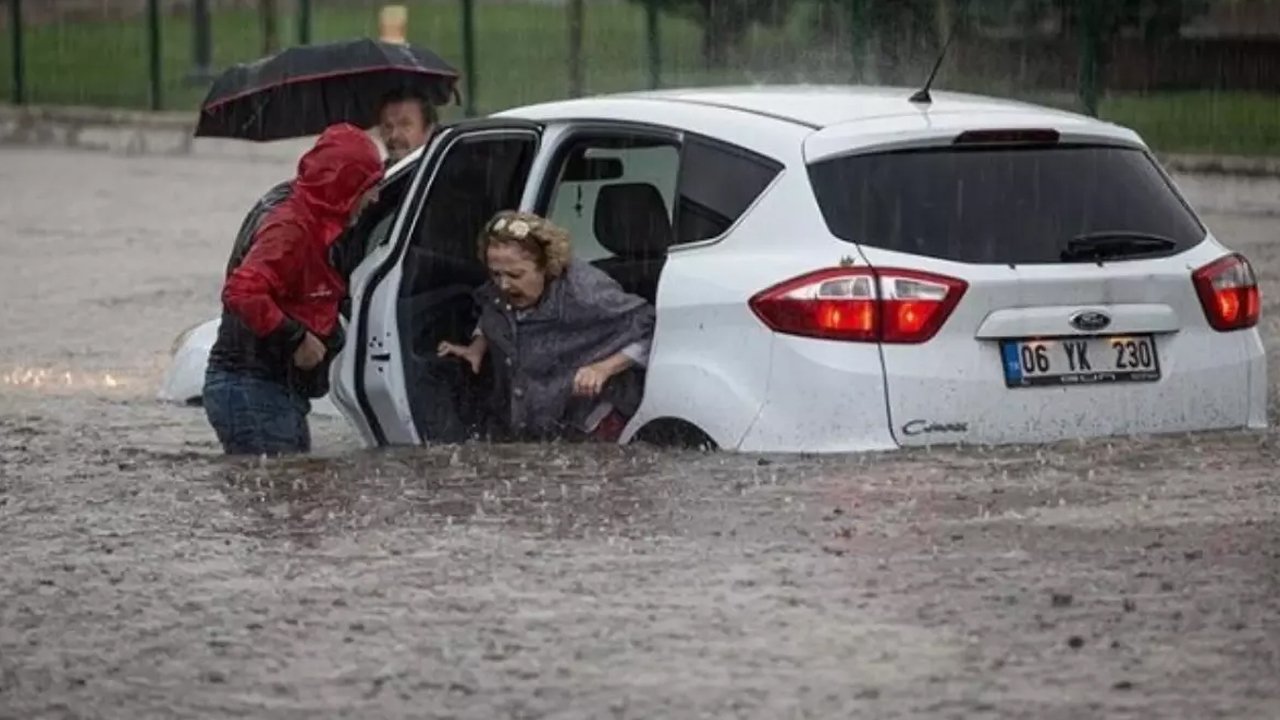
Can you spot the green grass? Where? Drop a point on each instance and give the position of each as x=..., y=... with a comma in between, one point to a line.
x=522, y=51
x=522, y=57
x=1201, y=122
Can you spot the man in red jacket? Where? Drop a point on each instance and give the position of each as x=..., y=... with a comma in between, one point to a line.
x=280, y=325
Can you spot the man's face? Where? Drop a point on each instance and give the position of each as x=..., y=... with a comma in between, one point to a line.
x=402, y=129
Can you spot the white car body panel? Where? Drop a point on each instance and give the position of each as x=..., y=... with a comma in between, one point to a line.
x=713, y=360
x=342, y=374
x=957, y=377
x=765, y=135
x=718, y=367
x=183, y=382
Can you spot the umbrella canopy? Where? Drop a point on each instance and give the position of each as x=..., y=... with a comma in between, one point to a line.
x=303, y=90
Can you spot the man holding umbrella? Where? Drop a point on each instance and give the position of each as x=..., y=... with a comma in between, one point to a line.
x=280, y=326
x=300, y=91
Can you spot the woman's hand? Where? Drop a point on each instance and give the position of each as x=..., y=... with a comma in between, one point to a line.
x=473, y=353
x=590, y=380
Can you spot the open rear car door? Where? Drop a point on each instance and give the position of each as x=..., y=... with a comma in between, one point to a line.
x=414, y=290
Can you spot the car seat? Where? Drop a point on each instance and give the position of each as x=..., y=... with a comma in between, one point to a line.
x=632, y=222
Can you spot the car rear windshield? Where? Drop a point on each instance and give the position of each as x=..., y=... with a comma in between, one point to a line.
x=998, y=205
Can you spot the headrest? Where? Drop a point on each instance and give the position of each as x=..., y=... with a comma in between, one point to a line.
x=632, y=220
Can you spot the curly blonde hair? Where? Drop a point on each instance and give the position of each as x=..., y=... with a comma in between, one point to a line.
x=545, y=241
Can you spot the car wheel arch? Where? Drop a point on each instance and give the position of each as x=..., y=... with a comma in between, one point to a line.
x=674, y=432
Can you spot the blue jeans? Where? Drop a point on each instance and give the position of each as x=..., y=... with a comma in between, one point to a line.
x=256, y=417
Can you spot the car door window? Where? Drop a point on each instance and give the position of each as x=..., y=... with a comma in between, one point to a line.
x=478, y=176
x=606, y=187
x=373, y=227
x=718, y=183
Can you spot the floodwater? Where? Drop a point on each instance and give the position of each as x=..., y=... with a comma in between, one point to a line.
x=143, y=575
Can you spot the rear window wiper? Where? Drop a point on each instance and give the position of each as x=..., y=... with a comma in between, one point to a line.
x=1113, y=244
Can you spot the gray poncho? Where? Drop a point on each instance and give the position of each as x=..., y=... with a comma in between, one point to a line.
x=584, y=316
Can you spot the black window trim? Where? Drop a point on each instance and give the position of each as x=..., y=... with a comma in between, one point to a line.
x=424, y=190
x=1173, y=188
x=779, y=170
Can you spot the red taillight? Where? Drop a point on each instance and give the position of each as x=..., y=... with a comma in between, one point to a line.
x=1229, y=293
x=861, y=305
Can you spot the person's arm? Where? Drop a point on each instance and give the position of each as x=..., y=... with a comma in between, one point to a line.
x=590, y=379
x=254, y=219
x=616, y=363
x=251, y=290
x=473, y=353
x=638, y=352
x=603, y=298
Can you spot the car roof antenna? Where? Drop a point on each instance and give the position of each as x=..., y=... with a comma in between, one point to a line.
x=922, y=95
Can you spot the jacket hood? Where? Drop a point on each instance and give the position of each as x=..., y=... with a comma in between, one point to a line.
x=336, y=172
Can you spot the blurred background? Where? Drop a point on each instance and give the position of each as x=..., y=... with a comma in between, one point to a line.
x=1193, y=76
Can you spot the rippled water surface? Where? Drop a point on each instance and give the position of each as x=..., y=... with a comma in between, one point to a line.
x=145, y=575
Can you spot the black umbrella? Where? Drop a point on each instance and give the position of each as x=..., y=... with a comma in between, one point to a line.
x=305, y=89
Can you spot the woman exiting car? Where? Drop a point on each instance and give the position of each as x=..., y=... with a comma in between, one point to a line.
x=567, y=345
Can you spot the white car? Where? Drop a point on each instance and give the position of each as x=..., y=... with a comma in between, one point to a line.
x=834, y=269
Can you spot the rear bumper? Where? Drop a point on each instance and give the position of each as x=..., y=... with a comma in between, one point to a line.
x=1218, y=384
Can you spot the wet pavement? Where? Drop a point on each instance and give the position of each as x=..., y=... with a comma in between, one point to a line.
x=144, y=575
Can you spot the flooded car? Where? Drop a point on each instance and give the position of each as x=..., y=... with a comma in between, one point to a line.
x=834, y=269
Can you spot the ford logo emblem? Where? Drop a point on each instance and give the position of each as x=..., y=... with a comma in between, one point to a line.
x=1090, y=320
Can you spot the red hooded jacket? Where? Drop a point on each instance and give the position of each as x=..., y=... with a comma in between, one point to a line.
x=286, y=285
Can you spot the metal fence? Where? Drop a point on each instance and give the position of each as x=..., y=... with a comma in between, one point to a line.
x=158, y=54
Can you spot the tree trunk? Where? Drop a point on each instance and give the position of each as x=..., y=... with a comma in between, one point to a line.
x=827, y=27
x=862, y=41
x=944, y=17
x=1092, y=59
x=577, y=19
x=722, y=28
x=270, y=26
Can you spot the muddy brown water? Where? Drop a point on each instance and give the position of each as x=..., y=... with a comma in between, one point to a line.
x=143, y=575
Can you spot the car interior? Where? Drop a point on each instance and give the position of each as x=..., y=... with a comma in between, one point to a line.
x=616, y=198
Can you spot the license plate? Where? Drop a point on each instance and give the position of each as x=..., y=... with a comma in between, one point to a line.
x=1080, y=361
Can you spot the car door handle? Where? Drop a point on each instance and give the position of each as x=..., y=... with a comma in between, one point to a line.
x=381, y=357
